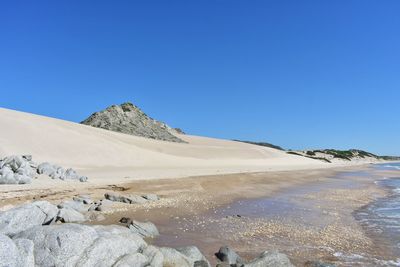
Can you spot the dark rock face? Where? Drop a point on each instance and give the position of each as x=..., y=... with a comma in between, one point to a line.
x=129, y=119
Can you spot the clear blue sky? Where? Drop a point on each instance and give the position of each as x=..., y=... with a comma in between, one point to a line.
x=300, y=74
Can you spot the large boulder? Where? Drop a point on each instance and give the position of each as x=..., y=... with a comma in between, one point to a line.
x=16, y=253
x=59, y=245
x=82, y=245
x=26, y=216
x=110, y=248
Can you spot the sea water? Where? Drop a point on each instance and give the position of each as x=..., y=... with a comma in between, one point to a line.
x=382, y=217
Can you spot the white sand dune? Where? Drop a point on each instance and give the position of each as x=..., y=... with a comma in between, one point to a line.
x=113, y=157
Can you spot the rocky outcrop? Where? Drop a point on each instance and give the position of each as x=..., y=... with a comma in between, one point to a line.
x=129, y=119
x=17, y=170
x=21, y=170
x=57, y=172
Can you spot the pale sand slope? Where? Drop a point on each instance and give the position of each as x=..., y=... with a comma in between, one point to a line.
x=109, y=157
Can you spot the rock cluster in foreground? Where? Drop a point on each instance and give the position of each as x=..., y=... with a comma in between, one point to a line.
x=33, y=235
x=22, y=170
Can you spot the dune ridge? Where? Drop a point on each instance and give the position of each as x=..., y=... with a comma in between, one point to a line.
x=100, y=153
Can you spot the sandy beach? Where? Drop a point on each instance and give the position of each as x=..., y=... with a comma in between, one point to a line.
x=212, y=192
x=306, y=214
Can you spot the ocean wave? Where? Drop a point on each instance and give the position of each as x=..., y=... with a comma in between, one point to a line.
x=392, y=167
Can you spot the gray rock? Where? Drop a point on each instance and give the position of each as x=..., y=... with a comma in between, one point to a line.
x=129, y=119
x=27, y=157
x=133, y=260
x=68, y=215
x=18, y=253
x=72, y=204
x=102, y=205
x=151, y=197
x=270, y=259
x=26, y=216
x=201, y=263
x=131, y=199
x=109, y=248
x=226, y=254
x=154, y=255
x=195, y=255
x=173, y=258
x=94, y=216
x=82, y=245
x=59, y=245
x=125, y=220
x=85, y=199
x=83, y=179
x=145, y=229
x=46, y=168
x=26, y=251
x=16, y=170
x=57, y=172
x=319, y=264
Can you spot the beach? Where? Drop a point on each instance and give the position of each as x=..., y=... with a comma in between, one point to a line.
x=209, y=192
x=308, y=215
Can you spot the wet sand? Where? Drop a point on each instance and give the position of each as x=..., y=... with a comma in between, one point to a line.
x=305, y=214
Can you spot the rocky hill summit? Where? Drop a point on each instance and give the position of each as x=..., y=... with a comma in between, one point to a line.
x=129, y=119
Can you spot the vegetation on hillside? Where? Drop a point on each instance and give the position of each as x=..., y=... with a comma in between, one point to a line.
x=261, y=144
